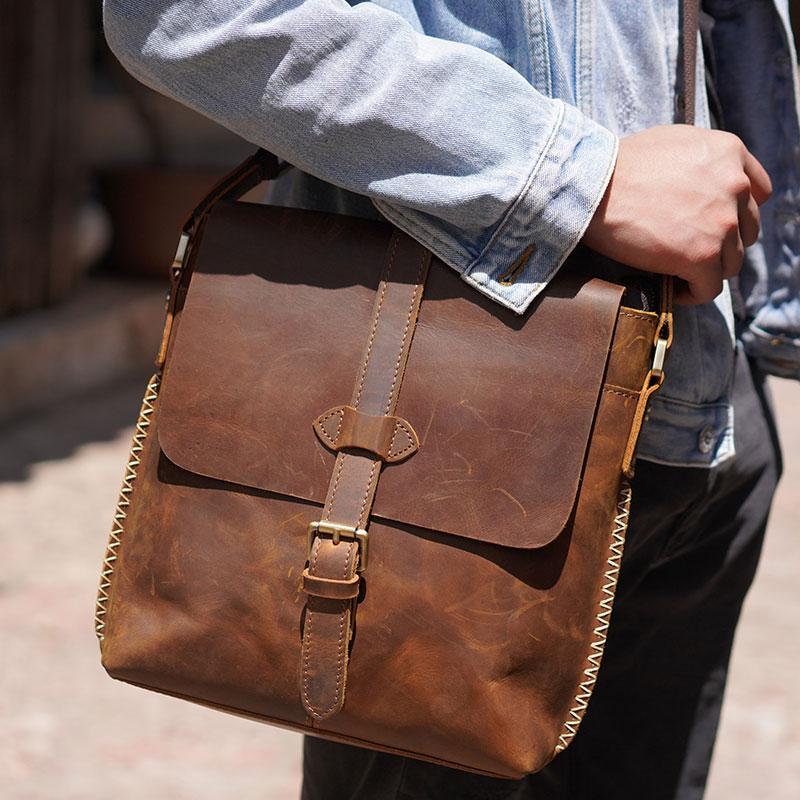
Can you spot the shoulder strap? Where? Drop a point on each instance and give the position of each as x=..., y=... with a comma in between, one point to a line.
x=690, y=18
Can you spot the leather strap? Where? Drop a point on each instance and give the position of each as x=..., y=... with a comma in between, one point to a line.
x=390, y=438
x=330, y=588
x=690, y=22
x=335, y=559
x=257, y=168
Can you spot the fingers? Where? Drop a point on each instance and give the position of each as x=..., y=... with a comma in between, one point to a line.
x=682, y=295
x=760, y=184
x=705, y=283
x=749, y=219
x=731, y=257
x=702, y=287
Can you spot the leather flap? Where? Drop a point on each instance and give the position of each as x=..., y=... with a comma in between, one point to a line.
x=272, y=334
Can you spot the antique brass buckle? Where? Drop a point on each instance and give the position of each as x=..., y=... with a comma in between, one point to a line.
x=338, y=532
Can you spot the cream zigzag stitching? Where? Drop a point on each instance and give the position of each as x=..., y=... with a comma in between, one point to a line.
x=611, y=576
x=118, y=525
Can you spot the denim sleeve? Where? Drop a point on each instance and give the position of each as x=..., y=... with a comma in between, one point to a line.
x=451, y=143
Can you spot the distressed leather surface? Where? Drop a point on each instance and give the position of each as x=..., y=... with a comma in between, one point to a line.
x=269, y=339
x=493, y=550
x=478, y=611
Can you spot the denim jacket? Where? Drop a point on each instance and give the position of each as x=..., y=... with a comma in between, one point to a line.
x=482, y=126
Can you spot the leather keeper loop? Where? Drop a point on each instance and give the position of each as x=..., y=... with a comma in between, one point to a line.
x=331, y=588
x=389, y=438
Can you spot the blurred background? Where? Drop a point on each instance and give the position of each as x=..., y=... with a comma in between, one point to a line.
x=96, y=174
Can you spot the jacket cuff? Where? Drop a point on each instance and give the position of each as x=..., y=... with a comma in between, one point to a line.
x=543, y=225
x=775, y=353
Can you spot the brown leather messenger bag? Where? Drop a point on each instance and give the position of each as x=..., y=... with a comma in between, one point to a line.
x=364, y=502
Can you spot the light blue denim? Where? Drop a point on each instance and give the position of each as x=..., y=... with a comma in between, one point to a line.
x=482, y=126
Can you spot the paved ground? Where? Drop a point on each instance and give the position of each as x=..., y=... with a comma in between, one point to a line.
x=69, y=733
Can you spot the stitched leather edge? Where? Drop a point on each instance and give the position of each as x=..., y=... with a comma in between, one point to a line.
x=409, y=316
x=603, y=619
x=341, y=651
x=319, y=425
x=124, y=500
x=621, y=391
x=646, y=316
x=407, y=447
x=376, y=319
x=413, y=441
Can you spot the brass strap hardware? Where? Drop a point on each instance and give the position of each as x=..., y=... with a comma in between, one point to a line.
x=662, y=340
x=176, y=271
x=180, y=255
x=337, y=533
x=659, y=355
x=663, y=336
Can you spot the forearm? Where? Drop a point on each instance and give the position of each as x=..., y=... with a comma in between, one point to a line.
x=450, y=142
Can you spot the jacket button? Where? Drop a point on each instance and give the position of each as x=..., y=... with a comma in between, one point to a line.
x=705, y=440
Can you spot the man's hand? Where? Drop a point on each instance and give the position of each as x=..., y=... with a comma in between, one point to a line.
x=682, y=201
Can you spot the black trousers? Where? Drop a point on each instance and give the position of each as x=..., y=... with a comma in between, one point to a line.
x=693, y=545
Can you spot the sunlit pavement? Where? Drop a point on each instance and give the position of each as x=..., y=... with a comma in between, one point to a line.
x=69, y=732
